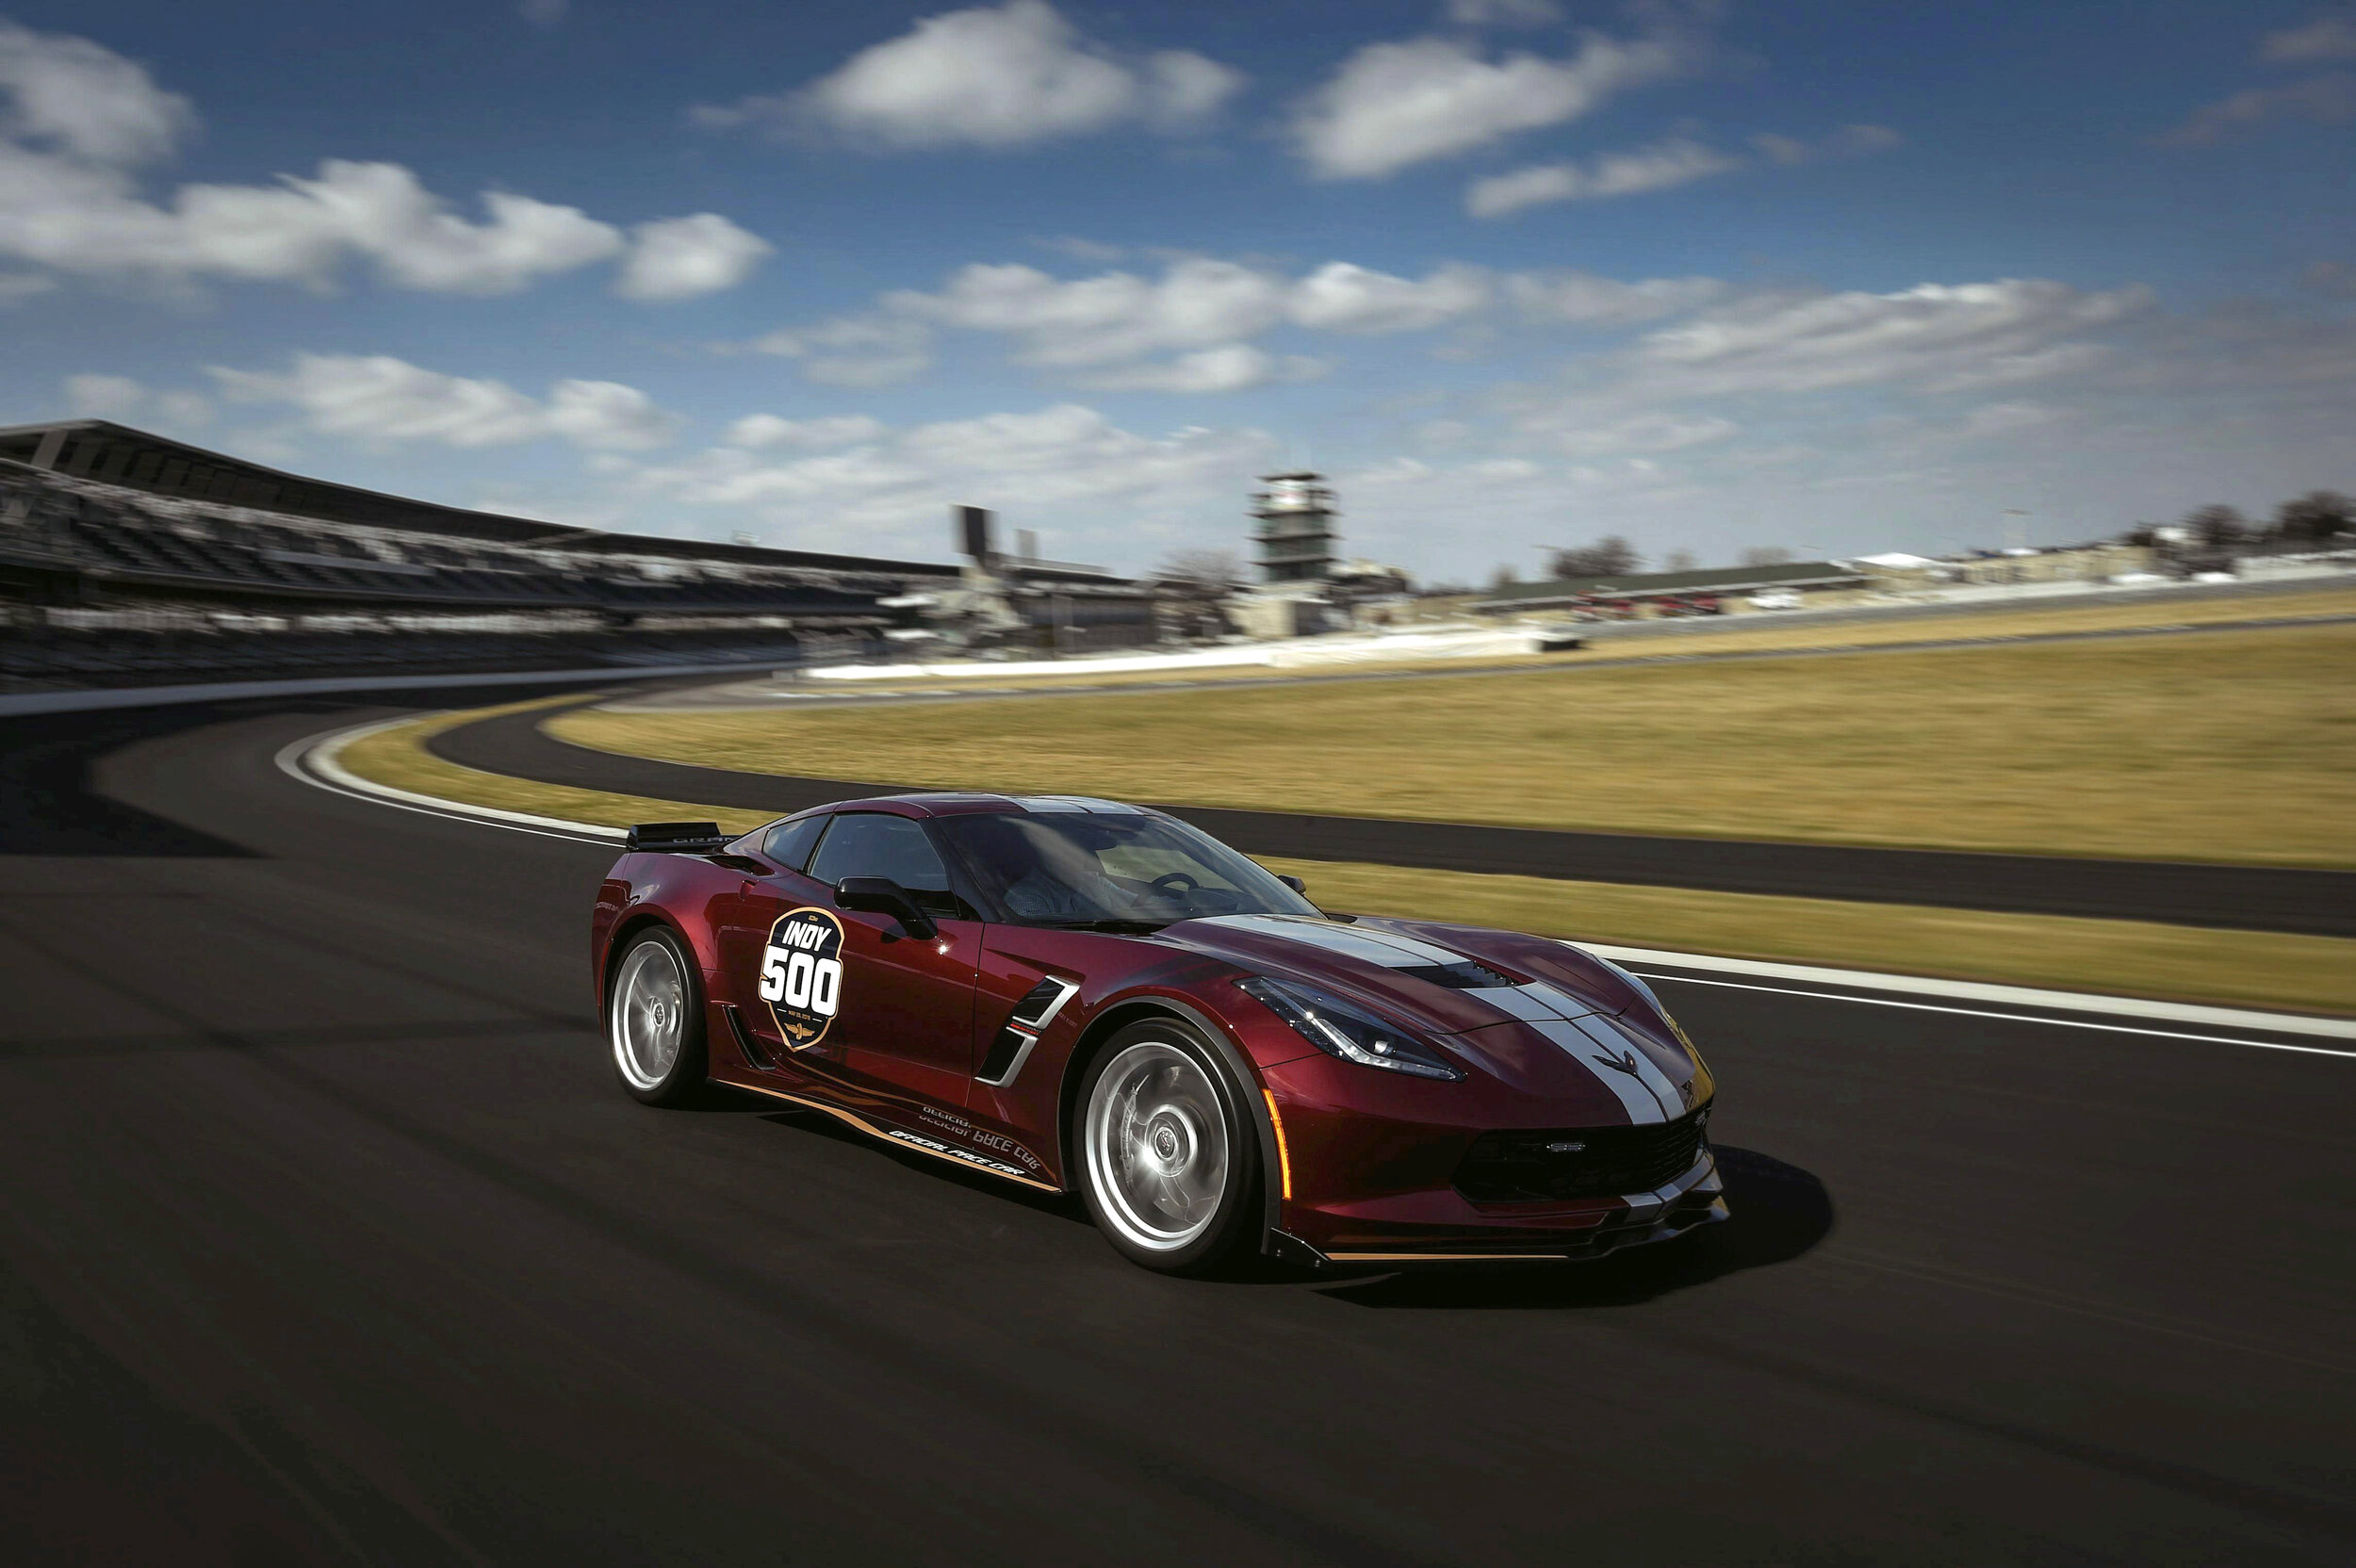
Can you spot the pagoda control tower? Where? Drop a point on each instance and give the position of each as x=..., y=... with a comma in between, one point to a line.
x=1296, y=535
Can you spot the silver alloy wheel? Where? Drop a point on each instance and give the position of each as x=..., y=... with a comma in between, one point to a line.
x=649, y=1014
x=1156, y=1148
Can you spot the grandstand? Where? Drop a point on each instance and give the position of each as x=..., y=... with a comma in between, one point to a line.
x=127, y=558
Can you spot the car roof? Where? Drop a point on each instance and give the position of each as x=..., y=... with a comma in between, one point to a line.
x=959, y=803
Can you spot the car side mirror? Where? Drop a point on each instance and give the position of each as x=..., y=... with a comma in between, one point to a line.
x=1295, y=883
x=880, y=895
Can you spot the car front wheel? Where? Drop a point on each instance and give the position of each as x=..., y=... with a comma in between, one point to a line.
x=654, y=1019
x=1170, y=1160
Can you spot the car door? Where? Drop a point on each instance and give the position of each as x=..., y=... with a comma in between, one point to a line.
x=901, y=1010
x=744, y=923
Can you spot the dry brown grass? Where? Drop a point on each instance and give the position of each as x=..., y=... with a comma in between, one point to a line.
x=2311, y=973
x=397, y=757
x=2231, y=746
x=2111, y=956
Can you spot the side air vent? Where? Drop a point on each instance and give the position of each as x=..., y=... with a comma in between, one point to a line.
x=1466, y=976
x=743, y=1036
x=1021, y=1029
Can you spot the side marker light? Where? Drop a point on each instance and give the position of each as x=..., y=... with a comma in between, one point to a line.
x=1283, y=1156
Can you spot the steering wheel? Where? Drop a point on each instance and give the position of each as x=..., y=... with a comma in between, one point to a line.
x=1166, y=884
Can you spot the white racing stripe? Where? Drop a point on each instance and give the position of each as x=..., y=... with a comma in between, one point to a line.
x=1643, y=1107
x=1374, y=947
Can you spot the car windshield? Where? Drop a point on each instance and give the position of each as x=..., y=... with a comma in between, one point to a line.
x=1080, y=868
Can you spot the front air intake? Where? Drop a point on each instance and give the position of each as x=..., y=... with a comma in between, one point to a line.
x=1580, y=1162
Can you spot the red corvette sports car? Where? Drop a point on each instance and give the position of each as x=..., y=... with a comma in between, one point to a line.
x=1074, y=994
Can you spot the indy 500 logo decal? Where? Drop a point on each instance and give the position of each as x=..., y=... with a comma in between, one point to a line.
x=801, y=974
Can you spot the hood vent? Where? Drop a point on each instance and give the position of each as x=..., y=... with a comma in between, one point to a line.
x=1465, y=977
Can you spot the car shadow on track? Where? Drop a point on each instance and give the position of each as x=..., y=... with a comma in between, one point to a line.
x=1778, y=1213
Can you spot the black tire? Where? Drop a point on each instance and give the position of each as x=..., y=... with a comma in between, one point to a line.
x=654, y=1019
x=1142, y=1133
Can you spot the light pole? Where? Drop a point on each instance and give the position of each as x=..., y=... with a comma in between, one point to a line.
x=2015, y=531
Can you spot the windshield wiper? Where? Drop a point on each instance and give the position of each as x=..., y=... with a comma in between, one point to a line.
x=1106, y=925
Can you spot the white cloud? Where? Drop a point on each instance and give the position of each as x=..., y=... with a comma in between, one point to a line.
x=2325, y=100
x=1503, y=13
x=756, y=431
x=81, y=219
x=119, y=398
x=2327, y=38
x=17, y=288
x=2009, y=418
x=1107, y=319
x=1663, y=166
x=1067, y=463
x=1650, y=432
x=1228, y=367
x=378, y=398
x=1941, y=336
x=1658, y=168
x=1393, y=105
x=102, y=397
x=1582, y=299
x=1849, y=142
x=681, y=258
x=544, y=13
x=1342, y=297
x=856, y=350
x=70, y=96
x=183, y=409
x=998, y=77
x=77, y=122
x=1110, y=330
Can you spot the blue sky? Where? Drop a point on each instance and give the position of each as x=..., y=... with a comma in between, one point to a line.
x=1514, y=272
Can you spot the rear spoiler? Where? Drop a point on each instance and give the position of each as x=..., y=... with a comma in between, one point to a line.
x=675, y=838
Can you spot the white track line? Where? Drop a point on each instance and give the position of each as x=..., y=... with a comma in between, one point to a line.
x=314, y=761
x=1981, y=990
x=2015, y=1017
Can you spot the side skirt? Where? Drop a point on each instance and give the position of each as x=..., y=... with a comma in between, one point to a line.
x=900, y=1137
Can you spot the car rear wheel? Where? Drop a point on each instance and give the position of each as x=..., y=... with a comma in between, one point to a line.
x=654, y=1019
x=1170, y=1160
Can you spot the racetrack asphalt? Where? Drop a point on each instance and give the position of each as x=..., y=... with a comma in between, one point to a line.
x=2256, y=898
x=329, y=1237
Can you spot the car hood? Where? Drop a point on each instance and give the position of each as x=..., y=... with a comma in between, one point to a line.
x=1526, y=1009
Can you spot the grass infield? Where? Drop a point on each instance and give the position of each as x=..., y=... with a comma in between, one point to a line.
x=2124, y=957
x=2235, y=746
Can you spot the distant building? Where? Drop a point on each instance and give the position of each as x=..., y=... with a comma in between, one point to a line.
x=1709, y=590
x=1296, y=534
x=1022, y=600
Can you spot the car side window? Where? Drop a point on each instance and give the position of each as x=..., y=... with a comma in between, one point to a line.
x=875, y=843
x=789, y=843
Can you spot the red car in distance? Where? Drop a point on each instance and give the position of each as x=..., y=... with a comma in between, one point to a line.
x=1078, y=995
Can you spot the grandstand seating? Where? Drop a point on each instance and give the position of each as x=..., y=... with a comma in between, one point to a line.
x=192, y=589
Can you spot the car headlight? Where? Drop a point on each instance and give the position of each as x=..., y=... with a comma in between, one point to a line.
x=1340, y=1029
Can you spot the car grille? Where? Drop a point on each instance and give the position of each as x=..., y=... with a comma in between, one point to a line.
x=1579, y=1162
